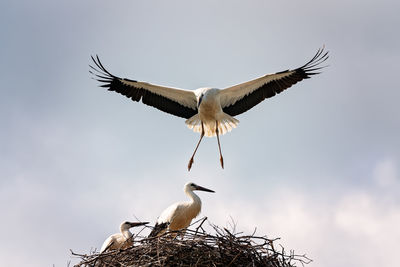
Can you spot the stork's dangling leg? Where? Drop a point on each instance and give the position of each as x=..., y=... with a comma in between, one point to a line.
x=201, y=137
x=221, y=159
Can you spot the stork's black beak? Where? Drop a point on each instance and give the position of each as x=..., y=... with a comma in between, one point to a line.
x=200, y=188
x=133, y=224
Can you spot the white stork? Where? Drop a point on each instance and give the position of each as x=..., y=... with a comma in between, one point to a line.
x=121, y=240
x=179, y=215
x=209, y=111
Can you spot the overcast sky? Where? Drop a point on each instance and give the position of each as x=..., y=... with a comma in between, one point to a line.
x=317, y=166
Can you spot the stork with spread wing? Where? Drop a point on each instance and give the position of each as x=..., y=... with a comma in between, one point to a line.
x=209, y=111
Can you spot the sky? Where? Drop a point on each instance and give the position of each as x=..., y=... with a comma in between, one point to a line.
x=317, y=166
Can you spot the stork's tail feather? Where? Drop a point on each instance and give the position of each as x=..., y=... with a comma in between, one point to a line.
x=158, y=229
x=194, y=123
x=225, y=124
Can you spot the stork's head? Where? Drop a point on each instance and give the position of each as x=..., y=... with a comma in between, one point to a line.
x=204, y=93
x=200, y=94
x=126, y=225
x=192, y=187
x=200, y=98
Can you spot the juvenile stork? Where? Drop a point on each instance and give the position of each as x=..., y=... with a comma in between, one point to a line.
x=179, y=215
x=121, y=240
x=209, y=111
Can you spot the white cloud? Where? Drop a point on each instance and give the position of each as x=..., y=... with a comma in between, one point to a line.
x=386, y=173
x=353, y=229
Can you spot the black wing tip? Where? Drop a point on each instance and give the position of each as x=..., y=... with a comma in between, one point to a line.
x=99, y=68
x=101, y=74
x=313, y=66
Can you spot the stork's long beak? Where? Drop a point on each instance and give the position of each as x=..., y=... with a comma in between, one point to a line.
x=133, y=224
x=200, y=188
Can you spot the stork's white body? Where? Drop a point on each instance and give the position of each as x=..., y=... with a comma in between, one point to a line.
x=210, y=113
x=179, y=215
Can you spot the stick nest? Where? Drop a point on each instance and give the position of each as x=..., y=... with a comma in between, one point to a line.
x=197, y=248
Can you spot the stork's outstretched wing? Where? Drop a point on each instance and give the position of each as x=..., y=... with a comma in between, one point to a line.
x=242, y=97
x=178, y=102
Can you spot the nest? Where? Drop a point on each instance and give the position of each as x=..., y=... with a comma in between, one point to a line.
x=197, y=248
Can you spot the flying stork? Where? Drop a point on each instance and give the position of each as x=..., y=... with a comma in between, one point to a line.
x=209, y=111
x=179, y=215
x=121, y=240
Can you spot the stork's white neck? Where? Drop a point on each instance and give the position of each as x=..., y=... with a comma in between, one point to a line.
x=126, y=233
x=193, y=197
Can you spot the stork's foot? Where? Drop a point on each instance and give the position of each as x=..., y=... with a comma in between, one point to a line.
x=221, y=159
x=190, y=164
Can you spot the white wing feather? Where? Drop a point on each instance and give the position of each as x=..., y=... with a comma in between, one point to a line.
x=231, y=95
x=184, y=97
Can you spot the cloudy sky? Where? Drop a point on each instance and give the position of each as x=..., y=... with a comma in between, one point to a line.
x=317, y=166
